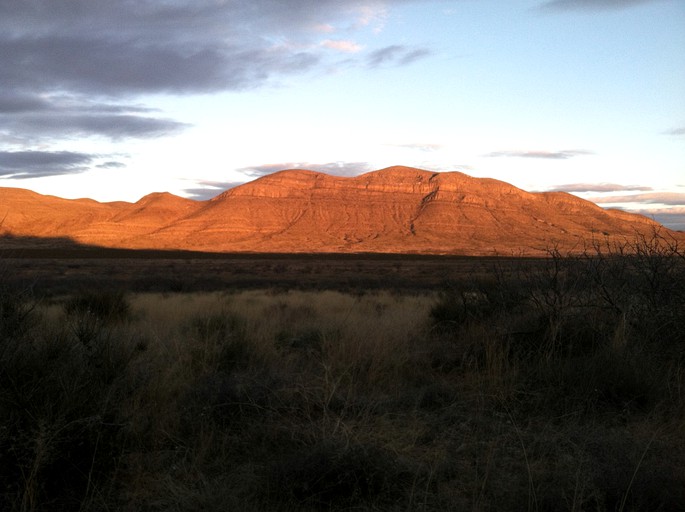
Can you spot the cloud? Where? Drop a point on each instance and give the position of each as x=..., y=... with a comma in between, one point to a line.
x=672, y=218
x=591, y=5
x=33, y=115
x=342, y=45
x=324, y=28
x=552, y=155
x=676, y=210
x=673, y=210
x=669, y=198
x=373, y=13
x=115, y=126
x=16, y=103
x=676, y=131
x=33, y=164
x=335, y=168
x=160, y=46
x=89, y=65
x=598, y=187
x=395, y=55
x=75, y=68
x=675, y=221
x=209, y=189
x=111, y=165
x=38, y=164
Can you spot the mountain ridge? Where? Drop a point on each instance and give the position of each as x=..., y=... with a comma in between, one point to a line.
x=393, y=210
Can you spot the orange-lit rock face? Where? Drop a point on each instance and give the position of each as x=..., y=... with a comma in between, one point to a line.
x=398, y=209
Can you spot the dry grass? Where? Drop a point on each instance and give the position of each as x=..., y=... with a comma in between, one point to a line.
x=524, y=391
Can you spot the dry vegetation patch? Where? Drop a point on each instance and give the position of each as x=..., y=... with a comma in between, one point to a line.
x=527, y=388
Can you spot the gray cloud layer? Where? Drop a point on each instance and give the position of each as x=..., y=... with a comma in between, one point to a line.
x=28, y=118
x=38, y=164
x=72, y=68
x=33, y=116
x=152, y=46
x=32, y=164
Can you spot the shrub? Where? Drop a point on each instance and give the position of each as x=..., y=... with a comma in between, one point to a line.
x=106, y=306
x=90, y=313
x=61, y=434
x=456, y=307
x=309, y=341
x=217, y=341
x=17, y=308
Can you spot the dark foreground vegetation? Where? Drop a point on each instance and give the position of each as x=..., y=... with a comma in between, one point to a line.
x=555, y=385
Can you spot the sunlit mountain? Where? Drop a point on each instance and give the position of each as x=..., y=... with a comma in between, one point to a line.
x=393, y=210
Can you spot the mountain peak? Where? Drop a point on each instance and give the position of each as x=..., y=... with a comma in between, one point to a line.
x=166, y=198
x=400, y=171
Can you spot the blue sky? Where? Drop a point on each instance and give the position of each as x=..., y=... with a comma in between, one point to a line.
x=116, y=99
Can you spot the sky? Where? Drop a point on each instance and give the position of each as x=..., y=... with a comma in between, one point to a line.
x=115, y=99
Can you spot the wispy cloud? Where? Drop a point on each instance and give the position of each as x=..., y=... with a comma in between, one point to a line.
x=111, y=126
x=552, y=155
x=342, y=45
x=33, y=164
x=208, y=189
x=324, y=28
x=598, y=187
x=591, y=5
x=673, y=210
x=374, y=14
x=396, y=55
x=668, y=198
x=676, y=131
x=111, y=165
x=30, y=115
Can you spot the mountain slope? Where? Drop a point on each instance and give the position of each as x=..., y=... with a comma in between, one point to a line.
x=398, y=209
